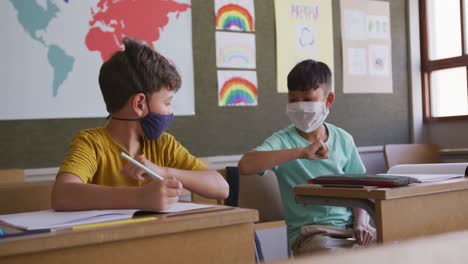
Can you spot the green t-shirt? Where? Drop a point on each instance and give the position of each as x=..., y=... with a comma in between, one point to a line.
x=342, y=158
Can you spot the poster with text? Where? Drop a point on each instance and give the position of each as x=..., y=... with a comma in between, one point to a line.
x=304, y=30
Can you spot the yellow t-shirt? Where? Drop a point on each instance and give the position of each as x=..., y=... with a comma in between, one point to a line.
x=95, y=157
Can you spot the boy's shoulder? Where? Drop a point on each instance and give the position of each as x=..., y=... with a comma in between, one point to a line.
x=339, y=132
x=91, y=132
x=92, y=135
x=285, y=132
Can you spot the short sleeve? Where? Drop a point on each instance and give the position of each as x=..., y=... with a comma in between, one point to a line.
x=180, y=158
x=270, y=144
x=354, y=164
x=81, y=159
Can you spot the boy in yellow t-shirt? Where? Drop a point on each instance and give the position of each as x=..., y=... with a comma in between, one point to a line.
x=137, y=85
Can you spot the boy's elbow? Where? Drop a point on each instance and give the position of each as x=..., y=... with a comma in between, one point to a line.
x=223, y=191
x=57, y=202
x=245, y=167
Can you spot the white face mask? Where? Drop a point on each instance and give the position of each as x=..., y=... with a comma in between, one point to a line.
x=307, y=116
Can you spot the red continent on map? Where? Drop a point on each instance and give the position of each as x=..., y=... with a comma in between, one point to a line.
x=142, y=19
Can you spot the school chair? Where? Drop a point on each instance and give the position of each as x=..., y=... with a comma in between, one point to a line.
x=25, y=197
x=410, y=154
x=11, y=176
x=252, y=191
x=262, y=194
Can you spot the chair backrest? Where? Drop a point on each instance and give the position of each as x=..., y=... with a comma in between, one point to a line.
x=261, y=193
x=251, y=191
x=25, y=197
x=233, y=190
x=11, y=176
x=411, y=154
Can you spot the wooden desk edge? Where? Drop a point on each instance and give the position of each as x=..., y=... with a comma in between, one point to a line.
x=165, y=225
x=384, y=193
x=359, y=193
x=454, y=152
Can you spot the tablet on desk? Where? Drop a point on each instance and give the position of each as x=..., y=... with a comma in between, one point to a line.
x=361, y=180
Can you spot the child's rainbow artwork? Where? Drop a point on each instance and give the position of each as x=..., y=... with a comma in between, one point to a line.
x=235, y=50
x=235, y=15
x=237, y=88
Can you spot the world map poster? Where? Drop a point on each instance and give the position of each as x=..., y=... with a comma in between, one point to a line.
x=52, y=51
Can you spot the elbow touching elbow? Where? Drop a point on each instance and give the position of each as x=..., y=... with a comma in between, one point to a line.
x=224, y=191
x=243, y=166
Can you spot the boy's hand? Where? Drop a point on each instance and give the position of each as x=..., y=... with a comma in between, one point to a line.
x=364, y=235
x=132, y=171
x=160, y=195
x=317, y=150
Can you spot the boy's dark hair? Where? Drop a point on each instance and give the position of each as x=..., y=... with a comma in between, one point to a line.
x=137, y=69
x=309, y=75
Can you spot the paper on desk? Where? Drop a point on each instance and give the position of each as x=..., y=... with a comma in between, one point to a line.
x=181, y=207
x=429, y=172
x=427, y=177
x=429, y=168
x=55, y=220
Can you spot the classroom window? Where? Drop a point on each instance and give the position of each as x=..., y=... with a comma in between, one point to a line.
x=444, y=59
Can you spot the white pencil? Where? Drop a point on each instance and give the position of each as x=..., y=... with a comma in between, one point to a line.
x=141, y=166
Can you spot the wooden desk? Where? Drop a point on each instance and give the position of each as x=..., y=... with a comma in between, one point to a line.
x=223, y=236
x=401, y=213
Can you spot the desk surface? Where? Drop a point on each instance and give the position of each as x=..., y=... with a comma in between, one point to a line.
x=383, y=193
x=219, y=216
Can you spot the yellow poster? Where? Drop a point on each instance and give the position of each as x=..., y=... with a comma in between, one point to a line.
x=304, y=30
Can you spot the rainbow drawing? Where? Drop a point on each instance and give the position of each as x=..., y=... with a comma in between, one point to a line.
x=238, y=91
x=235, y=50
x=234, y=17
x=236, y=57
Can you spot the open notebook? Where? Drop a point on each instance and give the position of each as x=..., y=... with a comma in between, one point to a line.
x=429, y=172
x=57, y=220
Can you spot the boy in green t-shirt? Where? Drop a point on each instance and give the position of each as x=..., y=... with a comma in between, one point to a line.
x=307, y=149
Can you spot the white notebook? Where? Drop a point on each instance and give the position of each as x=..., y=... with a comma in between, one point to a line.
x=56, y=220
x=429, y=172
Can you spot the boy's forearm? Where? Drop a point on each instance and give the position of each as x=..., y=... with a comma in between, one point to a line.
x=361, y=218
x=259, y=161
x=207, y=183
x=79, y=196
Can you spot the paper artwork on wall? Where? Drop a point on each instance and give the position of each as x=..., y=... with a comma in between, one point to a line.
x=355, y=21
x=236, y=15
x=237, y=88
x=357, y=61
x=379, y=60
x=235, y=50
x=367, y=57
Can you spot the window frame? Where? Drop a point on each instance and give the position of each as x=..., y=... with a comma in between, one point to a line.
x=428, y=66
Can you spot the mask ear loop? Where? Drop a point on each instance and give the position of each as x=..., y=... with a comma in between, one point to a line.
x=124, y=119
